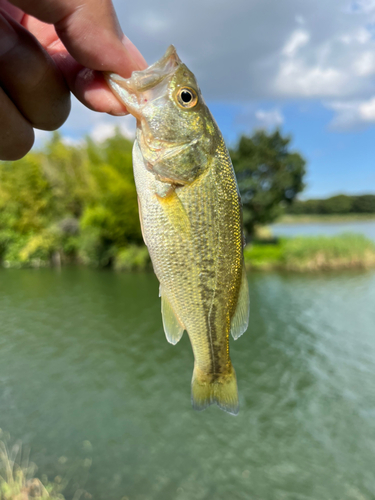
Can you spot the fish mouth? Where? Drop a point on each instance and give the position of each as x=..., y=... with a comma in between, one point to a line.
x=127, y=90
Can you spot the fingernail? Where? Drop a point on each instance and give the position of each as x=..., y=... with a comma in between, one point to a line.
x=119, y=113
x=8, y=37
x=138, y=60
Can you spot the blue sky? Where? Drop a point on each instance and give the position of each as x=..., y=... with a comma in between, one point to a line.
x=337, y=161
x=306, y=67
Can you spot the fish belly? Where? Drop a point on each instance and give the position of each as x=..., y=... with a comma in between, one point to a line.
x=194, y=238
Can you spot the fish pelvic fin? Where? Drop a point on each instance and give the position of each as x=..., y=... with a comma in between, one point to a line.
x=240, y=319
x=172, y=326
x=221, y=389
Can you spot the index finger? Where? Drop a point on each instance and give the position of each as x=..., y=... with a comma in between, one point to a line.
x=90, y=31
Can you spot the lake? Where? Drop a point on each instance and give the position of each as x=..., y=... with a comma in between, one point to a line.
x=85, y=371
x=325, y=228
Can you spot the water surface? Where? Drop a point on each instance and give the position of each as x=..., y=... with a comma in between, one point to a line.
x=83, y=358
x=325, y=228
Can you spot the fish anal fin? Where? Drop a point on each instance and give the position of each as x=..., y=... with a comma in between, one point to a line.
x=172, y=326
x=240, y=318
x=208, y=389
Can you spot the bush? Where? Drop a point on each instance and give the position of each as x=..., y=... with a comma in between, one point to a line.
x=132, y=258
x=49, y=196
x=40, y=247
x=263, y=257
x=93, y=250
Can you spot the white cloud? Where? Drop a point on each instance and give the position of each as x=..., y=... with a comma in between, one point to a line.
x=150, y=21
x=339, y=65
x=100, y=126
x=297, y=39
x=105, y=129
x=269, y=119
x=297, y=79
x=300, y=19
x=365, y=64
x=72, y=141
x=362, y=6
x=350, y=114
x=308, y=74
x=271, y=50
x=360, y=35
x=367, y=110
x=41, y=136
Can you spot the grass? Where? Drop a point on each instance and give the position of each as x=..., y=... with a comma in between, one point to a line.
x=313, y=219
x=18, y=479
x=315, y=253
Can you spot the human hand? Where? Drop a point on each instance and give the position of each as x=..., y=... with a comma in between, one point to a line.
x=49, y=48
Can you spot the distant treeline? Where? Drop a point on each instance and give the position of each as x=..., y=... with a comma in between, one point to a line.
x=340, y=204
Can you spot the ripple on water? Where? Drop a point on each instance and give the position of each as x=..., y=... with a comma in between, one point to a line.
x=83, y=357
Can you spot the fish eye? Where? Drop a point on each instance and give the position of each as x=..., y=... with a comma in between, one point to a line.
x=187, y=97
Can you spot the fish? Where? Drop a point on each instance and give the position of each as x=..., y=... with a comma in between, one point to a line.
x=191, y=220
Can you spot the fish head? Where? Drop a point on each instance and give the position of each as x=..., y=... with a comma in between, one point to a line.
x=175, y=129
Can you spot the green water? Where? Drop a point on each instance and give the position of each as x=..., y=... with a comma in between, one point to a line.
x=83, y=357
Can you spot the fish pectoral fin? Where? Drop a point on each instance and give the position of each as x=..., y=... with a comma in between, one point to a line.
x=175, y=212
x=172, y=327
x=240, y=318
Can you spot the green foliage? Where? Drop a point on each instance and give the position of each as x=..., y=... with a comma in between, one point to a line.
x=269, y=176
x=17, y=481
x=340, y=204
x=264, y=257
x=40, y=246
x=364, y=204
x=72, y=201
x=133, y=258
x=323, y=252
x=313, y=253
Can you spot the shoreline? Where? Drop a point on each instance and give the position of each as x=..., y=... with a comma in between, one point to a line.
x=296, y=254
x=323, y=219
x=312, y=253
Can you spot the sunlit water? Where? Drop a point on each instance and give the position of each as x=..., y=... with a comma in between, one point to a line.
x=83, y=357
x=325, y=228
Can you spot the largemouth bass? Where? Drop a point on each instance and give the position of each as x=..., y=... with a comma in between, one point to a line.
x=191, y=220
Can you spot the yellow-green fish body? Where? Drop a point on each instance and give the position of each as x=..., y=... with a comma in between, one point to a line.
x=191, y=220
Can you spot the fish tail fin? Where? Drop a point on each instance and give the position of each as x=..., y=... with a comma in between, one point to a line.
x=207, y=389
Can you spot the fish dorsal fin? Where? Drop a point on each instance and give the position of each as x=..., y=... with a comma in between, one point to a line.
x=172, y=326
x=240, y=319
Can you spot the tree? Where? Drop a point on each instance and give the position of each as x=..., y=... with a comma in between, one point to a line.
x=340, y=204
x=364, y=204
x=269, y=176
x=77, y=200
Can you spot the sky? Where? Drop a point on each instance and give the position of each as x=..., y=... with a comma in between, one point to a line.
x=304, y=66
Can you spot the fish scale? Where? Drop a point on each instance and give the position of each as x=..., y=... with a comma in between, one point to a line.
x=191, y=220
